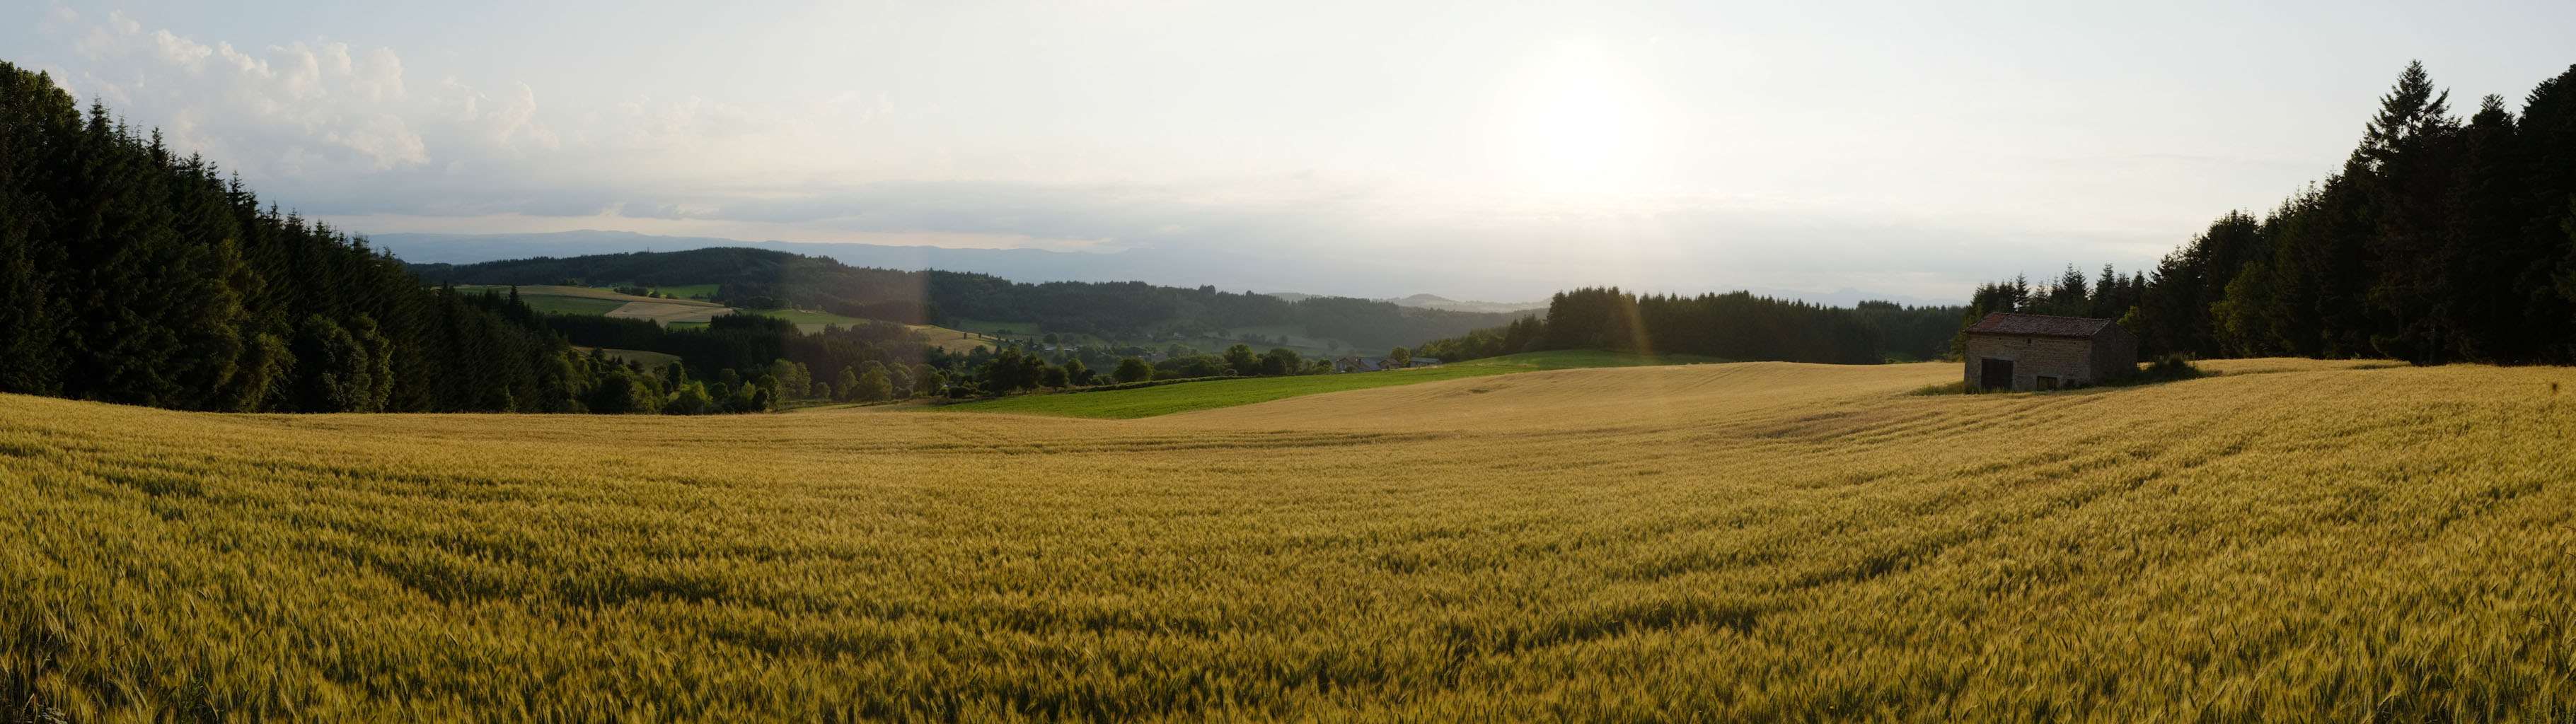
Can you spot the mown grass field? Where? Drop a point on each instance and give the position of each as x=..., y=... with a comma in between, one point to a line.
x=948, y=339
x=1214, y=394
x=670, y=311
x=2290, y=541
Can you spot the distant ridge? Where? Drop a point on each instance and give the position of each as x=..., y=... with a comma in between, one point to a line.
x=1033, y=265
x=1181, y=267
x=1434, y=301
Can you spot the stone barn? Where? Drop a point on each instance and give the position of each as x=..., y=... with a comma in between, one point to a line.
x=2025, y=352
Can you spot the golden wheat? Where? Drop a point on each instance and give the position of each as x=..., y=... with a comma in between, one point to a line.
x=2292, y=540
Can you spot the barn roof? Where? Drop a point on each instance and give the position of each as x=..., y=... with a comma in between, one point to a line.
x=2039, y=325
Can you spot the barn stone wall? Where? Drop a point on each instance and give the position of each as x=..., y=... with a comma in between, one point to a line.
x=2070, y=359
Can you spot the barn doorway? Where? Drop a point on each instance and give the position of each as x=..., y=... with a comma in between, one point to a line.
x=1994, y=374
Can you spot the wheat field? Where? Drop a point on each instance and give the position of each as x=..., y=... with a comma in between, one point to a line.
x=2290, y=541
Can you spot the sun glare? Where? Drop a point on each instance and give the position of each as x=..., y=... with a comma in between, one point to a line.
x=1577, y=135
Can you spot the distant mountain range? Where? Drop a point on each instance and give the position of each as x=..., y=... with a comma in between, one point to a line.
x=1191, y=267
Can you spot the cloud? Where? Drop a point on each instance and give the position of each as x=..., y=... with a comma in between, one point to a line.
x=303, y=113
x=348, y=130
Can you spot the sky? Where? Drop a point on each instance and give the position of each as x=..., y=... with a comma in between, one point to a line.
x=1475, y=150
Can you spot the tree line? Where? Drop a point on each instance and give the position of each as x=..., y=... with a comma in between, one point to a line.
x=2438, y=240
x=1736, y=326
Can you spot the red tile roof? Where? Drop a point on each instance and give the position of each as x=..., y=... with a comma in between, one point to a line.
x=2039, y=325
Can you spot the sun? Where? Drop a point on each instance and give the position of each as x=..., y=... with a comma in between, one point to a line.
x=1578, y=131
x=1581, y=128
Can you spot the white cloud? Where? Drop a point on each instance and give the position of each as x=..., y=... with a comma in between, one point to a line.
x=384, y=139
x=506, y=123
x=318, y=112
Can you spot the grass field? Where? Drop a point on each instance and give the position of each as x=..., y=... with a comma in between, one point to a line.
x=556, y=299
x=948, y=339
x=1213, y=394
x=646, y=358
x=570, y=305
x=562, y=300
x=978, y=326
x=669, y=312
x=1309, y=347
x=809, y=322
x=528, y=291
x=812, y=322
x=2289, y=541
x=689, y=291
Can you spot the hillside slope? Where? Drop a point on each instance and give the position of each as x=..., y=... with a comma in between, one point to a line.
x=1763, y=541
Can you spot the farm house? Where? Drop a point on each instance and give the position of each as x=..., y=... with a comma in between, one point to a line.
x=2025, y=352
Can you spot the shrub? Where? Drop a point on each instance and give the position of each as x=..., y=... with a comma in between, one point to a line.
x=2168, y=368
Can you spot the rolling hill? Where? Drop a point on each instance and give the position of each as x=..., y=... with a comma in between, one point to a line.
x=1737, y=542
x=1127, y=311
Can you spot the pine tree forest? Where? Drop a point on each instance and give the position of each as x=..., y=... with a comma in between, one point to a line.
x=2439, y=240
